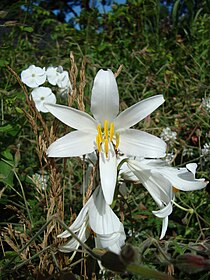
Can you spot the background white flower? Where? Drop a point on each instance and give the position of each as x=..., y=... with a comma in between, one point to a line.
x=57, y=76
x=41, y=95
x=168, y=135
x=33, y=76
x=53, y=74
x=206, y=103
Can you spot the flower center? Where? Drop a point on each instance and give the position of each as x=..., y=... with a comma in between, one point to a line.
x=105, y=135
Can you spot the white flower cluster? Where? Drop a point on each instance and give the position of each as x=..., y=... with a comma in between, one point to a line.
x=168, y=135
x=114, y=146
x=206, y=103
x=205, y=151
x=35, y=76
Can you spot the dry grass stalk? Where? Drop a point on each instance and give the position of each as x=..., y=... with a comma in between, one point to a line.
x=73, y=78
x=118, y=71
x=81, y=105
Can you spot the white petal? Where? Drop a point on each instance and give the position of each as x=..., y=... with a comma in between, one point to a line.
x=164, y=227
x=101, y=217
x=138, y=112
x=40, y=79
x=73, y=144
x=139, y=143
x=73, y=117
x=164, y=212
x=126, y=173
x=40, y=93
x=112, y=242
x=192, y=167
x=105, y=97
x=108, y=173
x=73, y=244
x=182, y=179
x=159, y=187
x=81, y=219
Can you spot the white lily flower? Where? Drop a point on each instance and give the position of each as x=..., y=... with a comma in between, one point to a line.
x=33, y=76
x=96, y=215
x=107, y=132
x=40, y=96
x=160, y=181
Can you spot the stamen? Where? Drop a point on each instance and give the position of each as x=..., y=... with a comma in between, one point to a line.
x=117, y=141
x=111, y=133
x=98, y=142
x=106, y=131
x=106, y=147
x=99, y=132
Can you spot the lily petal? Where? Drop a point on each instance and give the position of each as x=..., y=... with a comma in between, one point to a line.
x=164, y=227
x=73, y=244
x=72, y=117
x=73, y=144
x=105, y=97
x=138, y=112
x=164, y=212
x=112, y=242
x=81, y=219
x=139, y=143
x=183, y=179
x=108, y=173
x=102, y=219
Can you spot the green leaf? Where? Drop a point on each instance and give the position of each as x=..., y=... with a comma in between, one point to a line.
x=3, y=62
x=27, y=28
x=6, y=173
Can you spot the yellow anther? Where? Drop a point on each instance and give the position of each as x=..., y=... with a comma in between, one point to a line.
x=98, y=142
x=99, y=132
x=106, y=129
x=106, y=147
x=111, y=133
x=117, y=141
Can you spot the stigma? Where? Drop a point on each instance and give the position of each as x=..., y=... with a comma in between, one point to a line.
x=106, y=134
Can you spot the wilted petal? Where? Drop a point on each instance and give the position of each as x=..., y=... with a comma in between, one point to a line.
x=105, y=97
x=139, y=143
x=73, y=144
x=102, y=219
x=73, y=117
x=108, y=173
x=138, y=112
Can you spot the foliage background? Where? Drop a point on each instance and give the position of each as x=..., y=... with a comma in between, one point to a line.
x=164, y=48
